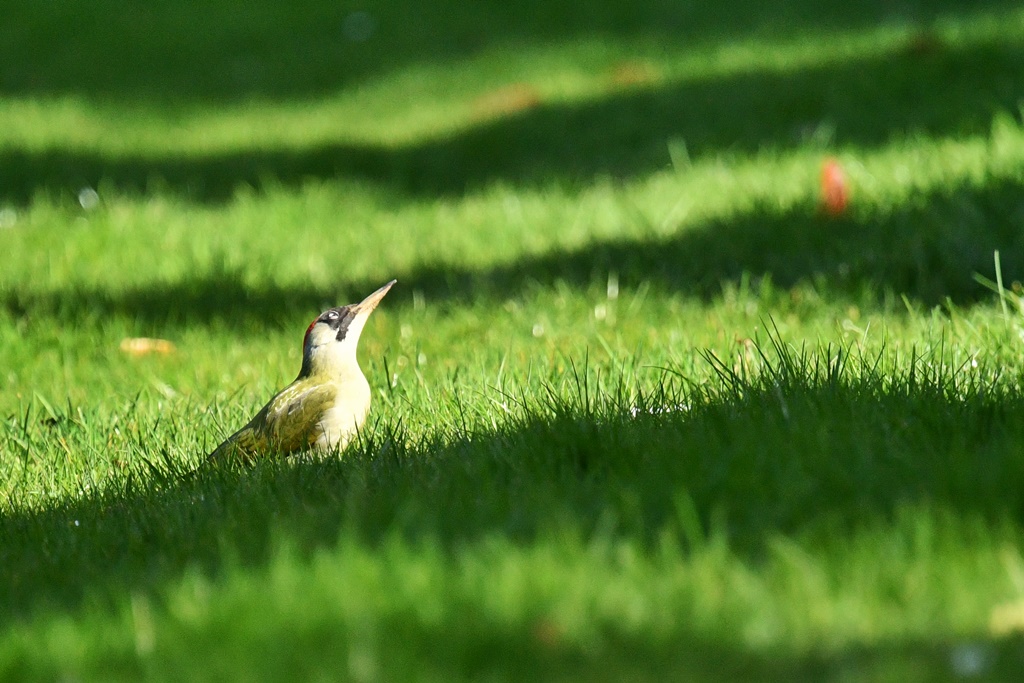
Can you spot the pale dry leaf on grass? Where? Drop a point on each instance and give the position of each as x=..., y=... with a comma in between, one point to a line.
x=1007, y=619
x=142, y=346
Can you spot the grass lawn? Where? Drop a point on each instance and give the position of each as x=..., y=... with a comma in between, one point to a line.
x=643, y=409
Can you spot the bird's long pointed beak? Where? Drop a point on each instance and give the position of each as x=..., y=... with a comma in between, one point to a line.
x=369, y=303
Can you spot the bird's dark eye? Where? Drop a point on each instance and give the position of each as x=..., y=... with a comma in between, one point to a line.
x=337, y=319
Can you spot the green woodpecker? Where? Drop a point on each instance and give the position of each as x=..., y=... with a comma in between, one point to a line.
x=326, y=404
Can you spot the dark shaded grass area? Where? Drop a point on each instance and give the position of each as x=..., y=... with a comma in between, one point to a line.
x=475, y=649
x=938, y=90
x=815, y=447
x=169, y=53
x=928, y=251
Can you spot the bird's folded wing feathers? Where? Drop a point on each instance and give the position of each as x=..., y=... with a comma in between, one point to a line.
x=288, y=423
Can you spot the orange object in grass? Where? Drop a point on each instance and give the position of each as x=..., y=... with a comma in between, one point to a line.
x=835, y=190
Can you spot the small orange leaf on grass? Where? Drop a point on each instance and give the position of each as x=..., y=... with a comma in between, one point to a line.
x=835, y=190
x=141, y=346
x=510, y=99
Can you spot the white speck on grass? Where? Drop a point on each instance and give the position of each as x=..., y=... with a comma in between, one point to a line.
x=969, y=660
x=8, y=217
x=88, y=198
x=659, y=410
x=613, y=286
x=538, y=330
x=165, y=389
x=600, y=312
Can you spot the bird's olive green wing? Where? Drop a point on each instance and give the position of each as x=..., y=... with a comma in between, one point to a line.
x=245, y=444
x=293, y=416
x=288, y=423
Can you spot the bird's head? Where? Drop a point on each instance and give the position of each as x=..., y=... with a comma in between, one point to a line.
x=331, y=339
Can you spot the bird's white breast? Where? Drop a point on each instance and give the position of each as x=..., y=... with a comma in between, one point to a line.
x=341, y=421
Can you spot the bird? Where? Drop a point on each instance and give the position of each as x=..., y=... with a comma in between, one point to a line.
x=326, y=405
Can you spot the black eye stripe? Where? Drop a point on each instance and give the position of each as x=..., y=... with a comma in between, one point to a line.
x=338, y=319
